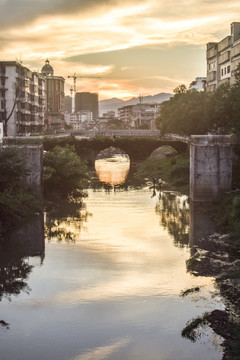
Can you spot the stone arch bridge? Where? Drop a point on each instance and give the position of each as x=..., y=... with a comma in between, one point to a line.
x=210, y=160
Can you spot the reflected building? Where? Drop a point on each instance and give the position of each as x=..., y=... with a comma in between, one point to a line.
x=201, y=225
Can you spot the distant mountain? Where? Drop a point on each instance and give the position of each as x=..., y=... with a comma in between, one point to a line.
x=114, y=104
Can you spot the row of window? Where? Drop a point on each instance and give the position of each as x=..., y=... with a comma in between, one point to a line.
x=226, y=70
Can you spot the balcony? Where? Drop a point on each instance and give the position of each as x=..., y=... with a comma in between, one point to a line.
x=25, y=111
x=225, y=43
x=211, y=76
x=224, y=57
x=212, y=52
x=235, y=50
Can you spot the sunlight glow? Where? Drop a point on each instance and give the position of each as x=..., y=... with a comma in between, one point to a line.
x=106, y=29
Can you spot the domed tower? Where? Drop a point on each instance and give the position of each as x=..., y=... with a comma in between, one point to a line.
x=47, y=69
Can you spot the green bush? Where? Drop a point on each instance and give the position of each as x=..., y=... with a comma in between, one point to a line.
x=174, y=171
x=64, y=172
x=17, y=202
x=230, y=217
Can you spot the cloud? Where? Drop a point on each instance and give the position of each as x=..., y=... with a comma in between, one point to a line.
x=103, y=352
x=66, y=30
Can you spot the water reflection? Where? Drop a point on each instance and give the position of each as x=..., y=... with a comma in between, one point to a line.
x=112, y=166
x=123, y=276
x=27, y=241
x=66, y=221
x=201, y=225
x=173, y=211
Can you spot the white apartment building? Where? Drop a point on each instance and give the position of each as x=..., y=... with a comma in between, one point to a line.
x=22, y=99
x=223, y=58
x=198, y=84
x=140, y=114
x=80, y=120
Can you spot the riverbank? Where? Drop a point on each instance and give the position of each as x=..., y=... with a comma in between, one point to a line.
x=214, y=257
x=173, y=170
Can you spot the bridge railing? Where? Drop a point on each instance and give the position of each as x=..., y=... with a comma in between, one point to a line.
x=175, y=137
x=119, y=133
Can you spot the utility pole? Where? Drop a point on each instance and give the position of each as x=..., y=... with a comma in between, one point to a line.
x=74, y=89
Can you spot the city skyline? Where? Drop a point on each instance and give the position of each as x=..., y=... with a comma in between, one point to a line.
x=143, y=47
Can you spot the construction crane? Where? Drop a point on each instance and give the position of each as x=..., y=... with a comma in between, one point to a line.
x=74, y=89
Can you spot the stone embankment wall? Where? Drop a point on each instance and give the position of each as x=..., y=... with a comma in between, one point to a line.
x=33, y=157
x=210, y=167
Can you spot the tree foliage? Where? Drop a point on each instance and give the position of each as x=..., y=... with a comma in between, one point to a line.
x=191, y=112
x=17, y=202
x=12, y=168
x=184, y=113
x=64, y=172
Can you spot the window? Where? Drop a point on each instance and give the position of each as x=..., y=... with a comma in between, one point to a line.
x=228, y=69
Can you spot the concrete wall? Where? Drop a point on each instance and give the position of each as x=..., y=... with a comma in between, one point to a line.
x=33, y=156
x=210, y=167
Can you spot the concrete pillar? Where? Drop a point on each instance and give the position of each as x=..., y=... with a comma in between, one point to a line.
x=210, y=166
x=33, y=157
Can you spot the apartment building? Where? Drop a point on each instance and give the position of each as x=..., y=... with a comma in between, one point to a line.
x=198, y=84
x=22, y=99
x=223, y=58
x=80, y=120
x=139, y=115
x=55, y=99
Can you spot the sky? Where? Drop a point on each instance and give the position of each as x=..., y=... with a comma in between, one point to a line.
x=117, y=48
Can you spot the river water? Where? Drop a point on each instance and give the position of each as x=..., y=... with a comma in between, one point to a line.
x=104, y=282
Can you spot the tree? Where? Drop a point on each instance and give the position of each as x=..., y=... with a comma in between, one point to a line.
x=185, y=113
x=64, y=172
x=4, y=119
x=17, y=202
x=12, y=168
x=181, y=89
x=219, y=110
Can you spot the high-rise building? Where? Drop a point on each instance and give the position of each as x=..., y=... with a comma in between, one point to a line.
x=87, y=101
x=55, y=97
x=22, y=99
x=223, y=58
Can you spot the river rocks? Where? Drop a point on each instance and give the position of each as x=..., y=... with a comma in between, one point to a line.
x=214, y=256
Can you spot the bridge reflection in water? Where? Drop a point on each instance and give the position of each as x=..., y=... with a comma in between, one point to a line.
x=113, y=170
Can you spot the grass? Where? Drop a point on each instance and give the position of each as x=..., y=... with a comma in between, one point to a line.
x=174, y=171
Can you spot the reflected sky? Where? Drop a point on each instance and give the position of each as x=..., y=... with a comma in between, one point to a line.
x=112, y=294
x=113, y=170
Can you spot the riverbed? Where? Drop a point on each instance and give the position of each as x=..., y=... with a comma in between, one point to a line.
x=106, y=284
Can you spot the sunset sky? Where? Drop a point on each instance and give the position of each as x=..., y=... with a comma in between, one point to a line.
x=135, y=47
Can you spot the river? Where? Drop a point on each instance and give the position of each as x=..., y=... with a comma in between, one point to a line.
x=104, y=282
